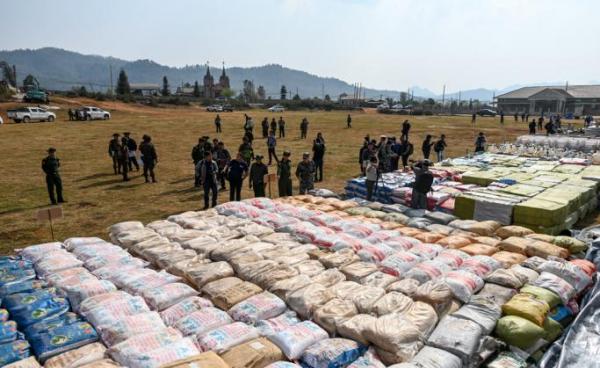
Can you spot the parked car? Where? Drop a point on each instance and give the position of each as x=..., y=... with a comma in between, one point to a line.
x=383, y=107
x=487, y=112
x=92, y=113
x=29, y=114
x=276, y=108
x=214, y=108
x=228, y=108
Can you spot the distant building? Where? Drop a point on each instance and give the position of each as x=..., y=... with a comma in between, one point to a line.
x=145, y=89
x=578, y=100
x=209, y=89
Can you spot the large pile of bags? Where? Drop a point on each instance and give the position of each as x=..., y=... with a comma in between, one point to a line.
x=315, y=282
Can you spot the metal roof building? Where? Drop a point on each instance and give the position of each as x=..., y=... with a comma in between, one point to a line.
x=578, y=100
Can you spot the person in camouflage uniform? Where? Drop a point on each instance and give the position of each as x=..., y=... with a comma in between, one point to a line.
x=284, y=175
x=50, y=166
x=305, y=172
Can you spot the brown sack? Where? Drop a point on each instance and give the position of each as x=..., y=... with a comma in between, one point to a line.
x=208, y=359
x=477, y=249
x=512, y=230
x=334, y=313
x=235, y=294
x=257, y=353
x=508, y=258
x=515, y=244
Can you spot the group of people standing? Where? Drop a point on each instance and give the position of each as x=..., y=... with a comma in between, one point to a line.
x=123, y=151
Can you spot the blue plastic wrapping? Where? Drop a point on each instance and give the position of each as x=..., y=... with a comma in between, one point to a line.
x=8, y=332
x=21, y=286
x=51, y=323
x=18, y=301
x=3, y=315
x=11, y=276
x=13, y=351
x=62, y=339
x=40, y=310
x=332, y=353
x=8, y=263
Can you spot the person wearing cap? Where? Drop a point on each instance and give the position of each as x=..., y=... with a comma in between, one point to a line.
x=304, y=128
x=132, y=148
x=265, y=127
x=222, y=156
x=149, y=157
x=372, y=174
x=274, y=125
x=406, y=150
x=422, y=184
x=113, y=149
x=246, y=150
x=236, y=171
x=258, y=170
x=305, y=172
x=50, y=166
x=206, y=171
x=284, y=175
x=271, y=145
x=197, y=156
x=123, y=157
x=384, y=154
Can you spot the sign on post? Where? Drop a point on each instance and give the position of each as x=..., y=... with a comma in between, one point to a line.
x=50, y=214
x=269, y=178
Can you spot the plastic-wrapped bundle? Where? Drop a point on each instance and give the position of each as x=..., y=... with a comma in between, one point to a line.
x=62, y=339
x=335, y=352
x=84, y=355
x=452, y=257
x=258, y=307
x=395, y=333
x=114, y=259
x=55, y=262
x=392, y=302
x=426, y=251
x=294, y=340
x=427, y=271
x=71, y=244
x=480, y=265
x=163, y=297
x=304, y=301
x=87, y=251
x=138, y=285
x=366, y=298
x=110, y=312
x=463, y=284
x=369, y=360
x=162, y=356
x=125, y=226
x=378, y=279
x=77, y=294
x=202, y=321
x=334, y=313
x=130, y=326
x=185, y=307
x=273, y=325
x=122, y=279
x=36, y=252
x=481, y=310
x=144, y=342
x=69, y=277
x=375, y=253
x=225, y=337
x=569, y=272
x=399, y=263
x=430, y=357
x=101, y=299
x=457, y=336
x=557, y=285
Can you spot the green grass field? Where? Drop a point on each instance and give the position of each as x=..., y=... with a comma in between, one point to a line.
x=97, y=198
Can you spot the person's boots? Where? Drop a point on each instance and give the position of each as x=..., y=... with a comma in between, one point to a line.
x=153, y=178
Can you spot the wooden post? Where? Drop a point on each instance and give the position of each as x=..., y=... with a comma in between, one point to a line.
x=49, y=214
x=268, y=179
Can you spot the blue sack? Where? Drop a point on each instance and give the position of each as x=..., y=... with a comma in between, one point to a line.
x=18, y=301
x=21, y=286
x=13, y=352
x=16, y=275
x=63, y=339
x=12, y=264
x=40, y=310
x=8, y=332
x=3, y=315
x=51, y=323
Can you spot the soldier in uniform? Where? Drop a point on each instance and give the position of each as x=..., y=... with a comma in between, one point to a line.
x=113, y=150
x=273, y=125
x=305, y=172
x=149, y=157
x=131, y=147
x=218, y=123
x=206, y=171
x=123, y=157
x=284, y=175
x=303, y=128
x=265, y=127
x=258, y=170
x=197, y=156
x=50, y=165
x=281, y=124
x=222, y=156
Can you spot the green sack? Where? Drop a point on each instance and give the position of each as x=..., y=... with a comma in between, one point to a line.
x=552, y=330
x=518, y=331
x=543, y=294
x=572, y=244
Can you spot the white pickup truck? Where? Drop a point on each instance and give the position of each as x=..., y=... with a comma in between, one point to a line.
x=29, y=114
x=92, y=113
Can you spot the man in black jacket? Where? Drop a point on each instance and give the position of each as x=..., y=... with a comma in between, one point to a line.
x=50, y=166
x=132, y=148
x=149, y=157
x=258, y=170
x=422, y=184
x=318, y=155
x=113, y=148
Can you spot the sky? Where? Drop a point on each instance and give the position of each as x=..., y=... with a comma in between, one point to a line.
x=385, y=44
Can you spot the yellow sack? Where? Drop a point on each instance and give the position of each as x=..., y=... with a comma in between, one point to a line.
x=528, y=307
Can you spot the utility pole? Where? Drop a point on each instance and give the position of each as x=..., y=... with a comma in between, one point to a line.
x=322, y=91
x=444, y=95
x=111, y=79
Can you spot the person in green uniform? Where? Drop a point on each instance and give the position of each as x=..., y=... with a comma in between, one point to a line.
x=50, y=165
x=305, y=172
x=258, y=170
x=284, y=175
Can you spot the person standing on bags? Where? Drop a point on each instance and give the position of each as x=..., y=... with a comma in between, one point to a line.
x=206, y=171
x=271, y=145
x=284, y=175
x=281, y=124
x=426, y=146
x=439, y=148
x=372, y=174
x=236, y=172
x=218, y=124
x=149, y=157
x=258, y=170
x=222, y=157
x=132, y=148
x=113, y=151
x=422, y=184
x=305, y=172
x=50, y=166
x=318, y=155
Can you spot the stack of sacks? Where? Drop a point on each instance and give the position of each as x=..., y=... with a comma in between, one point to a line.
x=38, y=307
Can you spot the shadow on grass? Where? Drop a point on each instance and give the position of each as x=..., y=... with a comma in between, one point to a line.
x=21, y=209
x=94, y=176
x=124, y=186
x=190, y=179
x=182, y=191
x=101, y=183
